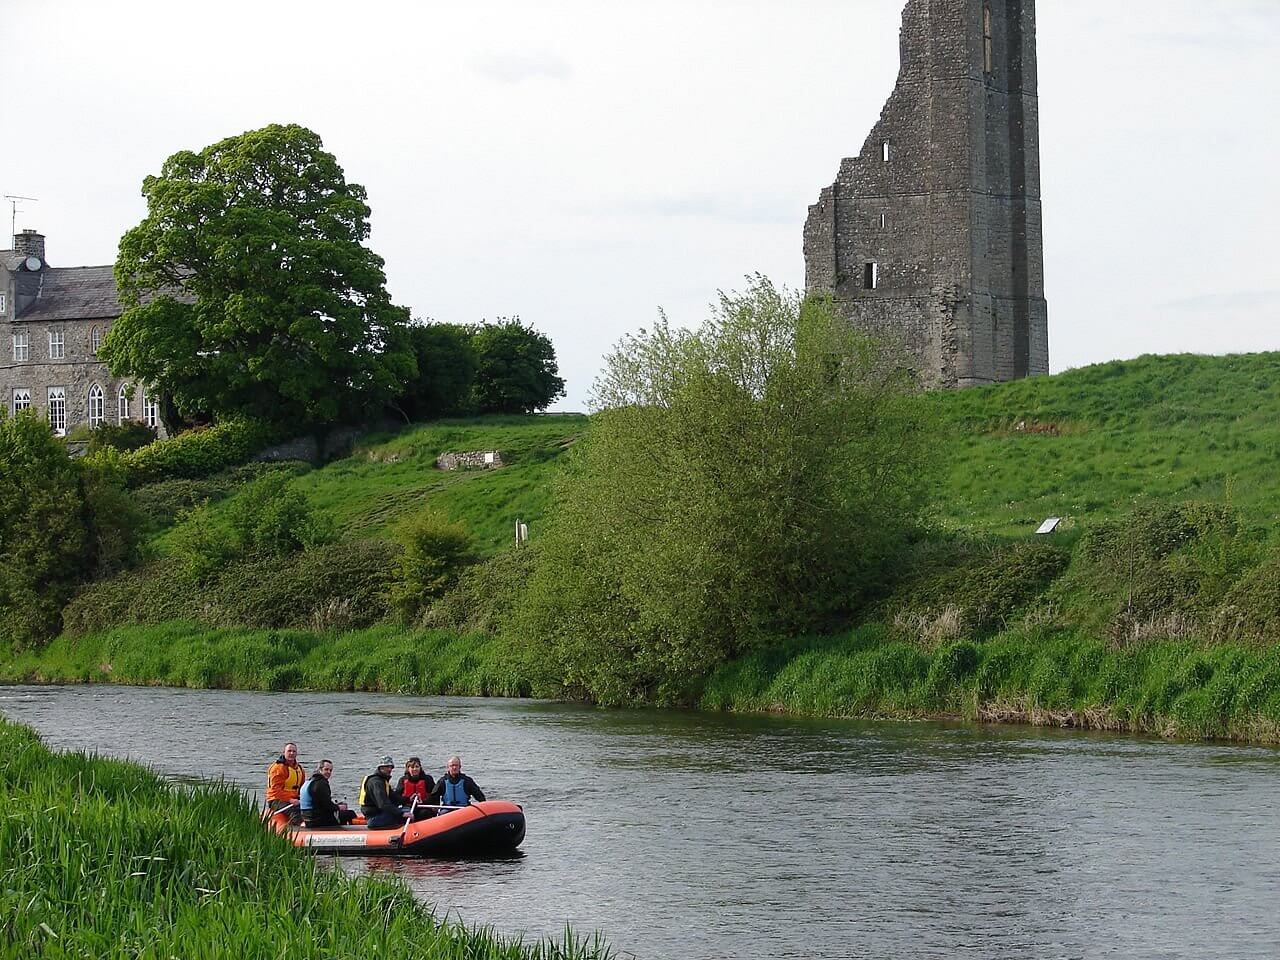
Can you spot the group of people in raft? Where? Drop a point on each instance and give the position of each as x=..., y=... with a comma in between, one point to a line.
x=311, y=801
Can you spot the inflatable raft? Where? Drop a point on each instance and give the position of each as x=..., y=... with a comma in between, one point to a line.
x=486, y=828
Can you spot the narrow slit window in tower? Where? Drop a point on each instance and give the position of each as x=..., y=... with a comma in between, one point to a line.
x=884, y=221
x=884, y=150
x=871, y=276
x=988, y=39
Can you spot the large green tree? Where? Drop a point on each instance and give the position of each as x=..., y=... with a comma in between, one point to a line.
x=742, y=482
x=445, y=382
x=517, y=371
x=248, y=288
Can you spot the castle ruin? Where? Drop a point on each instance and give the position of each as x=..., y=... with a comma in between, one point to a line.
x=933, y=233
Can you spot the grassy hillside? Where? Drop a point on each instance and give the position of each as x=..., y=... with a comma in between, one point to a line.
x=390, y=477
x=1087, y=443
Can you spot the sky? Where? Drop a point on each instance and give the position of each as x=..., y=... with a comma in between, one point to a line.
x=583, y=164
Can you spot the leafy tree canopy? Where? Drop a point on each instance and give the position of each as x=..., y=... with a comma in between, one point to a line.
x=745, y=481
x=446, y=358
x=516, y=370
x=248, y=289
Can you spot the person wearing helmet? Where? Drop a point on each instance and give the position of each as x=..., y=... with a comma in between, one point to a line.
x=377, y=802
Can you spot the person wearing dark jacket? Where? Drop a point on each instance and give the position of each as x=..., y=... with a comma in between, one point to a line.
x=455, y=788
x=415, y=785
x=377, y=801
x=316, y=799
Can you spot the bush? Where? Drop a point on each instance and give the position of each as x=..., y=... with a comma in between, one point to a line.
x=164, y=501
x=43, y=536
x=980, y=587
x=124, y=438
x=343, y=584
x=745, y=481
x=267, y=518
x=485, y=596
x=114, y=521
x=199, y=452
x=435, y=551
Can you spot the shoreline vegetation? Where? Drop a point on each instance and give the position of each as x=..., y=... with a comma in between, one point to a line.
x=149, y=868
x=1031, y=675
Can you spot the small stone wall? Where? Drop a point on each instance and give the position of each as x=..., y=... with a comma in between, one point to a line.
x=472, y=460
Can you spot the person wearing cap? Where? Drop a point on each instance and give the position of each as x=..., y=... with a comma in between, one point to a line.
x=377, y=801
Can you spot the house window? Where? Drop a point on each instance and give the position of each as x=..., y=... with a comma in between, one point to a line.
x=95, y=340
x=57, y=345
x=4, y=302
x=885, y=150
x=122, y=403
x=988, y=40
x=21, y=400
x=150, y=411
x=97, y=412
x=21, y=347
x=58, y=410
x=871, y=276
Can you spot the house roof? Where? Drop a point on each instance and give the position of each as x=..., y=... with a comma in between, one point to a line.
x=71, y=293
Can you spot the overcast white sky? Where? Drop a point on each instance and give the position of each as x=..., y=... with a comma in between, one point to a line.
x=583, y=163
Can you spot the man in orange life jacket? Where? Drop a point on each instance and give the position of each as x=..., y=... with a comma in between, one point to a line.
x=285, y=778
x=455, y=788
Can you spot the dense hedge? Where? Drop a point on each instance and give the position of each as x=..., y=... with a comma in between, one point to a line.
x=343, y=584
x=199, y=453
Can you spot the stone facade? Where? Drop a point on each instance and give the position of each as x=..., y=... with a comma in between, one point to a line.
x=471, y=460
x=933, y=233
x=52, y=320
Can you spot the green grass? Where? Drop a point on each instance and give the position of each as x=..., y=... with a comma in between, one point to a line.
x=378, y=659
x=1164, y=427
x=390, y=477
x=102, y=858
x=1044, y=677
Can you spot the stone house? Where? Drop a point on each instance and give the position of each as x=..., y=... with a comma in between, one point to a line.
x=52, y=322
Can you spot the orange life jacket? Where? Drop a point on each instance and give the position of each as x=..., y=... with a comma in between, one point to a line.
x=284, y=780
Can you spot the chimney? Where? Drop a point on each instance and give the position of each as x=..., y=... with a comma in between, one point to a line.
x=28, y=243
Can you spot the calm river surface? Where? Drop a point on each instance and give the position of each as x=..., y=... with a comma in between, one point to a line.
x=702, y=837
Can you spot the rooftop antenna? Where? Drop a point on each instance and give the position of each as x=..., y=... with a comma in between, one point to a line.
x=14, y=200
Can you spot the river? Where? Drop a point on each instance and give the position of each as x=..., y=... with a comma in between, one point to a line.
x=702, y=836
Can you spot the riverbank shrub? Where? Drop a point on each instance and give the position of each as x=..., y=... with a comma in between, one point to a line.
x=434, y=552
x=43, y=531
x=342, y=584
x=743, y=481
x=147, y=868
x=959, y=588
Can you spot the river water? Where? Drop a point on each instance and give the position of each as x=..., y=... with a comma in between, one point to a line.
x=701, y=837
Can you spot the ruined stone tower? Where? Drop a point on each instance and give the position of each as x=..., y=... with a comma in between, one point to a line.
x=933, y=233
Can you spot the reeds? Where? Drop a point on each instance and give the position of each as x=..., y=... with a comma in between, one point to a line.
x=102, y=858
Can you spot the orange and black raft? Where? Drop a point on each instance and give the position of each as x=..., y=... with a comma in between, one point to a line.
x=486, y=828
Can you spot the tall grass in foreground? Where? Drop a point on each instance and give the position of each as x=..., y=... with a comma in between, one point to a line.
x=102, y=858
x=1037, y=675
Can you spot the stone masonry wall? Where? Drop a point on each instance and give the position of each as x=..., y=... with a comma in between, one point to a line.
x=945, y=200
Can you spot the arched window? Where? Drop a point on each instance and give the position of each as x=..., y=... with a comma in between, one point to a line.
x=150, y=410
x=988, y=39
x=122, y=403
x=58, y=410
x=21, y=400
x=95, y=340
x=97, y=414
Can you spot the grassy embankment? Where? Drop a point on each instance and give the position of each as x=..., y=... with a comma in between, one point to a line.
x=102, y=858
x=1153, y=620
